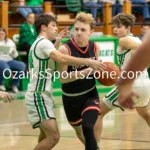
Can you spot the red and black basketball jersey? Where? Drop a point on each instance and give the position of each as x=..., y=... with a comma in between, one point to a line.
x=85, y=84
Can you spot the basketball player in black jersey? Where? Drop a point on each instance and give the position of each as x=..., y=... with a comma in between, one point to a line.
x=80, y=96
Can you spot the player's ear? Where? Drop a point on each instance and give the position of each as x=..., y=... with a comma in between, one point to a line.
x=92, y=31
x=129, y=28
x=43, y=27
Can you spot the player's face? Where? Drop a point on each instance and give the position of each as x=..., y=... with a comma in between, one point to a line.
x=52, y=30
x=120, y=30
x=2, y=35
x=82, y=32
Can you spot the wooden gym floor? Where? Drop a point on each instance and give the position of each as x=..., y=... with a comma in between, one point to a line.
x=122, y=130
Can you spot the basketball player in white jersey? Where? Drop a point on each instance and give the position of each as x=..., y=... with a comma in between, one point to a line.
x=125, y=84
x=39, y=99
x=122, y=25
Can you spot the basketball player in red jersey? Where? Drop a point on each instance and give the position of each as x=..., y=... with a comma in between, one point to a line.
x=80, y=96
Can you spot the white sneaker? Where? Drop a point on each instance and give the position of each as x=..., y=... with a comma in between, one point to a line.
x=15, y=89
x=2, y=88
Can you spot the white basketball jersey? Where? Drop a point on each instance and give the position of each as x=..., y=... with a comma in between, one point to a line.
x=41, y=67
x=125, y=55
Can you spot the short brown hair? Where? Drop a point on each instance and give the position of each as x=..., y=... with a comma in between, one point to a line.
x=85, y=18
x=43, y=19
x=124, y=19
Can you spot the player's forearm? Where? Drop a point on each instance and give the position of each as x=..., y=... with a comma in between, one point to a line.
x=76, y=75
x=65, y=59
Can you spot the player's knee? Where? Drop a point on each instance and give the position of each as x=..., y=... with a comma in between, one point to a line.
x=87, y=126
x=56, y=138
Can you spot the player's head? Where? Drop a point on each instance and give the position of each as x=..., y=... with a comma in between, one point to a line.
x=122, y=24
x=83, y=27
x=46, y=25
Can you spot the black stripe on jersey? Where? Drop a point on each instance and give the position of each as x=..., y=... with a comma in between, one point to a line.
x=107, y=96
x=117, y=105
x=43, y=101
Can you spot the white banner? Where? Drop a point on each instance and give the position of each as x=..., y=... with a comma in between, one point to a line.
x=107, y=51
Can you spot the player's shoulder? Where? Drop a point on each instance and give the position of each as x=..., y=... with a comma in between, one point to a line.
x=64, y=49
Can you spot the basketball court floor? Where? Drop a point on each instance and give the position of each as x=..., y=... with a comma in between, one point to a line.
x=122, y=130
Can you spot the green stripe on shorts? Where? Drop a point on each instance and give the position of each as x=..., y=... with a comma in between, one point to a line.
x=40, y=105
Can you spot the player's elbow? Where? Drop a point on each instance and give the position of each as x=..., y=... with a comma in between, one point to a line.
x=61, y=60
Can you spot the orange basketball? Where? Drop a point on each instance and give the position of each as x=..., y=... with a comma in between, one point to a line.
x=109, y=76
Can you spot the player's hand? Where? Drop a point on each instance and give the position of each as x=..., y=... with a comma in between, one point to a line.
x=127, y=101
x=63, y=34
x=97, y=65
x=6, y=97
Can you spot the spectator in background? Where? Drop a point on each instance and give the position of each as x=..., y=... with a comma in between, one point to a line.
x=144, y=28
x=143, y=9
x=117, y=3
x=25, y=11
x=28, y=35
x=92, y=6
x=7, y=63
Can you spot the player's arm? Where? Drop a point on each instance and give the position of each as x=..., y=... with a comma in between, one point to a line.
x=65, y=59
x=73, y=75
x=97, y=51
x=127, y=43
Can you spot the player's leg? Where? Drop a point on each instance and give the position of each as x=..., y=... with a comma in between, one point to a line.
x=97, y=131
x=52, y=135
x=41, y=115
x=42, y=135
x=108, y=104
x=79, y=133
x=72, y=110
x=142, y=86
x=144, y=113
x=89, y=119
x=90, y=112
x=99, y=124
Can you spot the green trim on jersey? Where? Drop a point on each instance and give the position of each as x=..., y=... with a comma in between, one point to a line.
x=41, y=76
x=112, y=96
x=35, y=52
x=121, y=58
x=30, y=59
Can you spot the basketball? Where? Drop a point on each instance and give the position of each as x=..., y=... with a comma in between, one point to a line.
x=109, y=76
